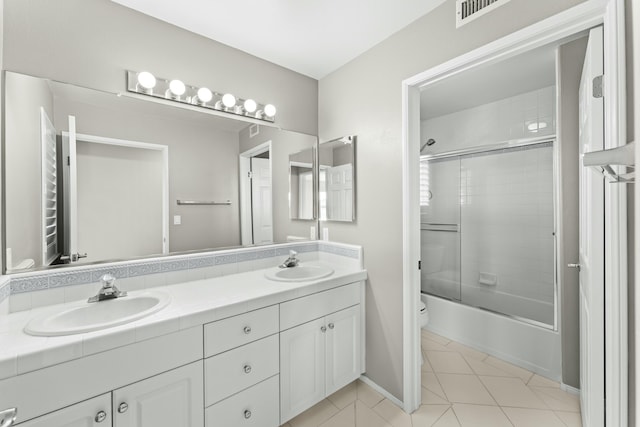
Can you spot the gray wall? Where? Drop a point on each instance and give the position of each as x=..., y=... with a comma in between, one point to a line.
x=24, y=97
x=364, y=98
x=92, y=42
x=570, y=61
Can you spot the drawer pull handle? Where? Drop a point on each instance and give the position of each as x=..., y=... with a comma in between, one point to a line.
x=247, y=330
x=101, y=416
x=247, y=369
x=247, y=414
x=122, y=408
x=8, y=417
x=331, y=325
x=323, y=329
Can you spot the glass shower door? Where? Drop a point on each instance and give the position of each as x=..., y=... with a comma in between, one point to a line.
x=440, y=227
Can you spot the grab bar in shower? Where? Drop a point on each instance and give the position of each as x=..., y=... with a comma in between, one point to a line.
x=202, y=202
x=440, y=227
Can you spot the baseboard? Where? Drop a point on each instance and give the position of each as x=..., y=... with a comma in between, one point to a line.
x=382, y=391
x=570, y=389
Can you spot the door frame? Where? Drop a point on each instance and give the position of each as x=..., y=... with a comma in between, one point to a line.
x=558, y=27
x=164, y=149
x=246, y=218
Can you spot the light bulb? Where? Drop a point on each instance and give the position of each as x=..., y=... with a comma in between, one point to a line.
x=270, y=110
x=146, y=80
x=177, y=87
x=250, y=106
x=228, y=100
x=204, y=95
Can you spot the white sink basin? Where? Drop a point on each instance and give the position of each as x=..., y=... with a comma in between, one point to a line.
x=87, y=317
x=300, y=273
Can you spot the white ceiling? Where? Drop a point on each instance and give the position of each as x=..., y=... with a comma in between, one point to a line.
x=524, y=73
x=312, y=37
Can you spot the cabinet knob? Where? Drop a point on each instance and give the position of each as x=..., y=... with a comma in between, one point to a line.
x=247, y=329
x=101, y=416
x=8, y=417
x=323, y=329
x=247, y=369
x=247, y=414
x=331, y=325
x=122, y=408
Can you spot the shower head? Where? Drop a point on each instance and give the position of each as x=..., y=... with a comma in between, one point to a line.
x=428, y=143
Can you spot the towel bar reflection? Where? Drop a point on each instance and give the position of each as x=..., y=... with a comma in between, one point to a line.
x=203, y=202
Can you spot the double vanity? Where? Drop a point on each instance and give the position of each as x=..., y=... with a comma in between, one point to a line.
x=247, y=349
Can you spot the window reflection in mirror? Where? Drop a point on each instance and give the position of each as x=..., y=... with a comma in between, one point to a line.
x=112, y=192
x=336, y=197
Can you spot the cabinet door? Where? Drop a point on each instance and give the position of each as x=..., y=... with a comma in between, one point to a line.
x=94, y=412
x=343, y=348
x=173, y=398
x=302, y=359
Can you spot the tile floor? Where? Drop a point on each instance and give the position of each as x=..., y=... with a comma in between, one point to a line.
x=460, y=387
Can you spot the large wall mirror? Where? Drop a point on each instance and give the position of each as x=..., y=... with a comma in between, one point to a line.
x=119, y=177
x=337, y=179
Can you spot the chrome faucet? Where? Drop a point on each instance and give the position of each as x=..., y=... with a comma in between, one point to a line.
x=108, y=290
x=292, y=261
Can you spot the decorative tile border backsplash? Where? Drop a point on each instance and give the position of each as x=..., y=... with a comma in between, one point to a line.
x=90, y=274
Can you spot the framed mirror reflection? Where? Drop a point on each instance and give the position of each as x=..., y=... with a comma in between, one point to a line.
x=118, y=177
x=337, y=183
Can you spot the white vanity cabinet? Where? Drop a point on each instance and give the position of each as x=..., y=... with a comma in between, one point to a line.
x=94, y=412
x=241, y=370
x=319, y=356
x=171, y=399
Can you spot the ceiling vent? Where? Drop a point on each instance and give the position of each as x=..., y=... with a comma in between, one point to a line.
x=468, y=10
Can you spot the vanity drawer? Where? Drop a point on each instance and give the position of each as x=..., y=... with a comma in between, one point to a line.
x=257, y=406
x=305, y=309
x=240, y=368
x=235, y=331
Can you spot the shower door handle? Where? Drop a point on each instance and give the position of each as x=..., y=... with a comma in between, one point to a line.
x=574, y=266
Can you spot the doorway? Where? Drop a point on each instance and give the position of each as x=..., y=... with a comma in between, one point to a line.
x=256, y=188
x=562, y=27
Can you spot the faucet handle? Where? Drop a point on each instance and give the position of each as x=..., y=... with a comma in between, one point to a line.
x=107, y=280
x=292, y=253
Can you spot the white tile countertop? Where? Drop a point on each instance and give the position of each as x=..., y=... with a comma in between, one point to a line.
x=192, y=304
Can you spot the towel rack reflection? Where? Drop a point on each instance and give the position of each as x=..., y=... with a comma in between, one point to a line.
x=604, y=159
x=439, y=227
x=202, y=202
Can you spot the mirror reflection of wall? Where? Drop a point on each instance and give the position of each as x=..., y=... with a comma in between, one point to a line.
x=337, y=179
x=301, y=185
x=120, y=198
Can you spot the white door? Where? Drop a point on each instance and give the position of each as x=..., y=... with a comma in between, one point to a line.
x=94, y=412
x=592, y=241
x=343, y=348
x=261, y=201
x=71, y=224
x=174, y=398
x=340, y=193
x=302, y=368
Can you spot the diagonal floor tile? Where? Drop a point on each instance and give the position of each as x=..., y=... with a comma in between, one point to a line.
x=393, y=414
x=426, y=366
x=448, y=362
x=557, y=399
x=507, y=367
x=428, y=344
x=345, y=396
x=449, y=419
x=467, y=352
x=427, y=415
x=521, y=417
x=512, y=392
x=482, y=368
x=570, y=419
x=431, y=383
x=464, y=389
x=365, y=417
x=430, y=398
x=345, y=418
x=540, y=381
x=480, y=416
x=435, y=337
x=367, y=395
x=315, y=415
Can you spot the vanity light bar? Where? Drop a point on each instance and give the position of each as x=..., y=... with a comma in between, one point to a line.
x=145, y=83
